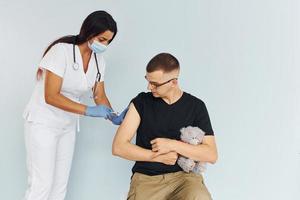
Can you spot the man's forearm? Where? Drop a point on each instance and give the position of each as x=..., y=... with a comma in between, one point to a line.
x=133, y=152
x=201, y=152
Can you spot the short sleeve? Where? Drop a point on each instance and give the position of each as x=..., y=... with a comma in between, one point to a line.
x=138, y=103
x=55, y=60
x=202, y=119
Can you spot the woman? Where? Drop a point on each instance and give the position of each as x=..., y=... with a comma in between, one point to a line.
x=71, y=66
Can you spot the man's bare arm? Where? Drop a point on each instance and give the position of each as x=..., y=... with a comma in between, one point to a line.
x=205, y=152
x=123, y=147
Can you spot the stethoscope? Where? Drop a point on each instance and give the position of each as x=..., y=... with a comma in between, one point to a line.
x=76, y=65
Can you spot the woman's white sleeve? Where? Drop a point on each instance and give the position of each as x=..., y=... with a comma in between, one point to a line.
x=55, y=60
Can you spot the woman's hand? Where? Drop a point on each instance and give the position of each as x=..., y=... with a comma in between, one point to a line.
x=118, y=119
x=99, y=111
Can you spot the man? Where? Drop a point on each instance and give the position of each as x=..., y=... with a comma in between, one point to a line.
x=157, y=117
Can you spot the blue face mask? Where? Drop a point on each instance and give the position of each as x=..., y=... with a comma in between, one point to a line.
x=97, y=47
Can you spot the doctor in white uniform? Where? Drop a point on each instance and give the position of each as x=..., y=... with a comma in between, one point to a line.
x=71, y=66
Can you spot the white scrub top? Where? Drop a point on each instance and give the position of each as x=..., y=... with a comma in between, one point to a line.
x=59, y=60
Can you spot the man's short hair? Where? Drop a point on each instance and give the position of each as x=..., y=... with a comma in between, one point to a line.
x=163, y=61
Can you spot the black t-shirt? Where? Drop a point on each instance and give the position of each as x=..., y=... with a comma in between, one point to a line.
x=161, y=120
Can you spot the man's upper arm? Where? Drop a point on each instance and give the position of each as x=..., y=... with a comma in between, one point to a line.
x=127, y=129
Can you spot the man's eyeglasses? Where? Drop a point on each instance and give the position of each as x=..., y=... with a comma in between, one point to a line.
x=156, y=85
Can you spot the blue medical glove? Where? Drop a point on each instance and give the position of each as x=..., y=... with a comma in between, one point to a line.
x=118, y=119
x=99, y=111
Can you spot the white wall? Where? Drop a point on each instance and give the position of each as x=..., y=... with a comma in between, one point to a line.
x=240, y=57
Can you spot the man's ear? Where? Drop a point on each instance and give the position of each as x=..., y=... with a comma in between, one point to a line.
x=175, y=82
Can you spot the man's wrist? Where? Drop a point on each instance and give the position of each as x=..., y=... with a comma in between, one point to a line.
x=152, y=158
x=173, y=145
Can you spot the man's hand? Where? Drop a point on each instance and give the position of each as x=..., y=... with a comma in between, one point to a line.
x=162, y=146
x=168, y=158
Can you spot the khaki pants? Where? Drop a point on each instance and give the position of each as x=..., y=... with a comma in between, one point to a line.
x=172, y=186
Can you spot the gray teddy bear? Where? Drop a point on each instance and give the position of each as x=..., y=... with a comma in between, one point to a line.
x=194, y=136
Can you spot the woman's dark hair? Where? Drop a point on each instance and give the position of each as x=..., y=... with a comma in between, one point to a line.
x=163, y=61
x=93, y=25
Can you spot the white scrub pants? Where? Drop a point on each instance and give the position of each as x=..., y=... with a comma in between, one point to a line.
x=49, y=158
